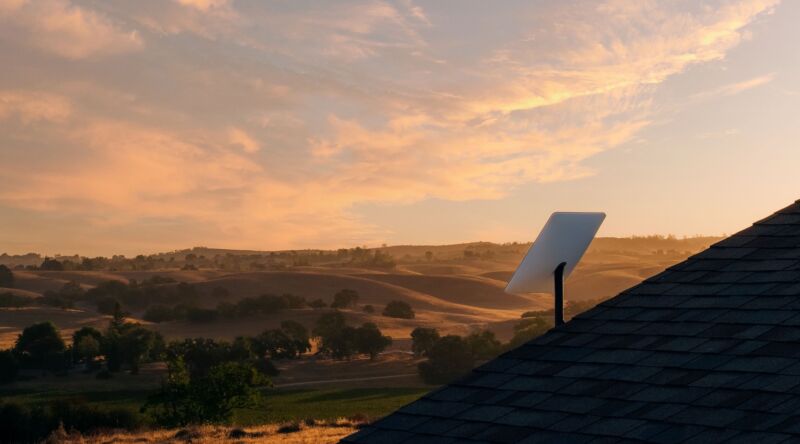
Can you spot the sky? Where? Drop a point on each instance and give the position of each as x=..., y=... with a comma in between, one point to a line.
x=139, y=127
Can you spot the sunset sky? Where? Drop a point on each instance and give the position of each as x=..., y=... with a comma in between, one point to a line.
x=143, y=126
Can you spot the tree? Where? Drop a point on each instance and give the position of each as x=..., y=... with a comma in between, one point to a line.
x=428, y=255
x=41, y=346
x=86, y=349
x=86, y=344
x=370, y=341
x=345, y=298
x=423, y=339
x=127, y=344
x=448, y=359
x=9, y=366
x=483, y=344
x=6, y=277
x=398, y=309
x=369, y=309
x=317, y=303
x=336, y=338
x=527, y=329
x=51, y=265
x=185, y=399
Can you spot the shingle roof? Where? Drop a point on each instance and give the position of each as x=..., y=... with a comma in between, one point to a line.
x=705, y=351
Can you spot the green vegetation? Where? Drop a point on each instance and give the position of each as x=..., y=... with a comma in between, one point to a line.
x=296, y=405
x=341, y=341
x=187, y=398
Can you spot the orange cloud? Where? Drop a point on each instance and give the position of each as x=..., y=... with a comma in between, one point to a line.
x=70, y=31
x=344, y=106
x=33, y=106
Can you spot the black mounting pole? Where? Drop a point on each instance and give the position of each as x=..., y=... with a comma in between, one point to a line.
x=558, y=276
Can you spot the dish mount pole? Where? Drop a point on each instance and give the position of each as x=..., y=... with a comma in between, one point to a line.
x=558, y=277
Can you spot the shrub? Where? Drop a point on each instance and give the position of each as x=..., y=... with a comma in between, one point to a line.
x=345, y=298
x=291, y=427
x=398, y=309
x=194, y=399
x=34, y=423
x=9, y=366
x=449, y=358
x=484, y=345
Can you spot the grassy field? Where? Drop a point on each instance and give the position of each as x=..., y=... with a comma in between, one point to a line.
x=278, y=405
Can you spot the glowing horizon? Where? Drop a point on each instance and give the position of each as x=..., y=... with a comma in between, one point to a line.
x=136, y=127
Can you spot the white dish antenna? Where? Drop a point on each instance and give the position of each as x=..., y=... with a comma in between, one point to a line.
x=554, y=254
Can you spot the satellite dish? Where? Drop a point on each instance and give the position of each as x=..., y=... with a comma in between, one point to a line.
x=554, y=254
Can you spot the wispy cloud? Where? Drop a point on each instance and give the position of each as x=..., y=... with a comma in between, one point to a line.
x=737, y=87
x=267, y=123
x=64, y=29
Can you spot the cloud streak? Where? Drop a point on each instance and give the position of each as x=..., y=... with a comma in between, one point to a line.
x=267, y=124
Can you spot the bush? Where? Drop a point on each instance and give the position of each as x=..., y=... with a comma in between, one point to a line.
x=345, y=298
x=9, y=366
x=291, y=427
x=187, y=399
x=34, y=423
x=484, y=345
x=398, y=309
x=448, y=359
x=527, y=329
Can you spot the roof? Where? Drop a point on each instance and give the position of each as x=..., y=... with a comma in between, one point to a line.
x=706, y=351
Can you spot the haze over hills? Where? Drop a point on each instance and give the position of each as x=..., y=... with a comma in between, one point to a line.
x=457, y=288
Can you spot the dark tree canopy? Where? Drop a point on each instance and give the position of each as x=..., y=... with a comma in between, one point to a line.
x=423, y=339
x=6, y=277
x=370, y=341
x=345, y=298
x=484, y=345
x=290, y=341
x=448, y=359
x=398, y=309
x=337, y=339
x=9, y=366
x=40, y=344
x=211, y=398
x=51, y=265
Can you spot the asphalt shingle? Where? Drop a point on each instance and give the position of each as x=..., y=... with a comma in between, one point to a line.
x=705, y=351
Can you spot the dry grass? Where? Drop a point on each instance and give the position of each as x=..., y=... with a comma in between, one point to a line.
x=291, y=433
